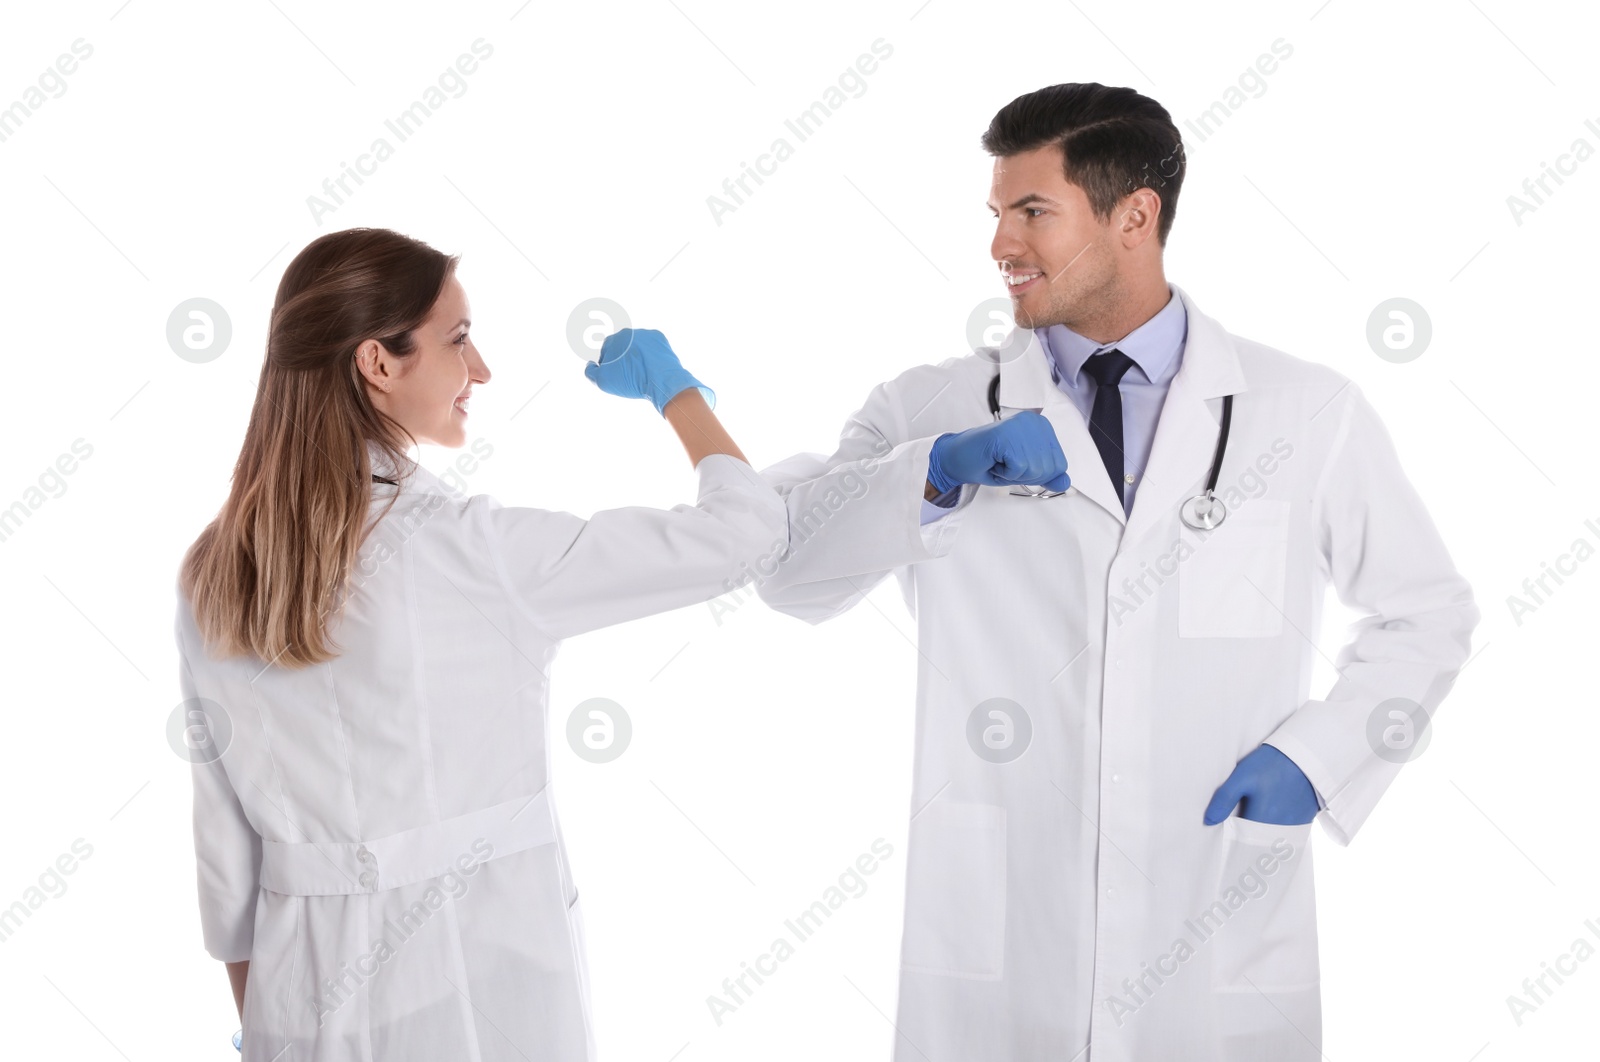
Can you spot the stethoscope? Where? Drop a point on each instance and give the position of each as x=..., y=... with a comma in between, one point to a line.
x=1203, y=512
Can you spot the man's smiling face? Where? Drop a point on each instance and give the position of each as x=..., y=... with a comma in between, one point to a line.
x=1046, y=235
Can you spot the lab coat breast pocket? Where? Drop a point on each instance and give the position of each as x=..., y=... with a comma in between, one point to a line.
x=955, y=921
x=1232, y=583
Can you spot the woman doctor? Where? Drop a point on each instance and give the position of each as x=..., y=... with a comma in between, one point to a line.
x=366, y=651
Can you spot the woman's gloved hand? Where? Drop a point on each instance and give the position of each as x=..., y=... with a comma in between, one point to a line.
x=1020, y=449
x=640, y=363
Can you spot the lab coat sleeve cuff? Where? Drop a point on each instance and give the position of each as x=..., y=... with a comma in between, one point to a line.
x=934, y=537
x=725, y=472
x=717, y=469
x=1339, y=821
x=1316, y=790
x=938, y=522
x=941, y=505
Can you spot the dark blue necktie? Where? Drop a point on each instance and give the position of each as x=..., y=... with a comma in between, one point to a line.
x=1105, y=419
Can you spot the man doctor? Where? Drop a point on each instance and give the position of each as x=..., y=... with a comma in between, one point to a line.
x=1118, y=756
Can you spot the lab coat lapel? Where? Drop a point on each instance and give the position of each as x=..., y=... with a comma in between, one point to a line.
x=1025, y=383
x=1191, y=417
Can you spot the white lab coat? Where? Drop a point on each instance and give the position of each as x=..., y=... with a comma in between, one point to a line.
x=399, y=793
x=1069, y=904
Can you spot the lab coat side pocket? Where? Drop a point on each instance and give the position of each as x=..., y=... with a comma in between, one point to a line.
x=1231, y=584
x=955, y=918
x=1267, y=940
x=280, y=992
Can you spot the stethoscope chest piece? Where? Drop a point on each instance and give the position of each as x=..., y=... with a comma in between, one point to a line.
x=1203, y=512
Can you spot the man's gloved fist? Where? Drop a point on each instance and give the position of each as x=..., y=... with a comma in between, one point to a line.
x=1023, y=448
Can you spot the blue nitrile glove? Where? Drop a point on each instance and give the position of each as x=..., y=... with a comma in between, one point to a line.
x=1273, y=790
x=640, y=363
x=1023, y=448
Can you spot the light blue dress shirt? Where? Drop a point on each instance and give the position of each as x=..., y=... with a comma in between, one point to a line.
x=1156, y=349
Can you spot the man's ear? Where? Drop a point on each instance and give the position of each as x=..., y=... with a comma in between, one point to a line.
x=1140, y=213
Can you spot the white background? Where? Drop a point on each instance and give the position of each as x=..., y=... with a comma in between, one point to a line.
x=768, y=754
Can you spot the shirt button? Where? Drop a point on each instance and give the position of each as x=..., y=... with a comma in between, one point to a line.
x=1128, y=478
x=364, y=854
x=1116, y=777
x=1119, y=665
x=368, y=879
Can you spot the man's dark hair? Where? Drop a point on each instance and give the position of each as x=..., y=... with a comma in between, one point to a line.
x=1113, y=140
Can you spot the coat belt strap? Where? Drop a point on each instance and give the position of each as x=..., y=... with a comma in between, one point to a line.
x=335, y=868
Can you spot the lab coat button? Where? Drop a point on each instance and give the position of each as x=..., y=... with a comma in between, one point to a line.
x=364, y=854
x=1116, y=777
x=368, y=879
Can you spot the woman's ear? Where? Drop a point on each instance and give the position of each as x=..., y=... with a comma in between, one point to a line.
x=375, y=364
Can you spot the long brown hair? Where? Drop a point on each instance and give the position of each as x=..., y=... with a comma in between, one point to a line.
x=268, y=570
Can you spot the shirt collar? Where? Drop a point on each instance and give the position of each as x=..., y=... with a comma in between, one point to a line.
x=1154, y=346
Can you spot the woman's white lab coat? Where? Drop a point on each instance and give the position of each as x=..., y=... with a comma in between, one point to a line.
x=1086, y=680
x=378, y=837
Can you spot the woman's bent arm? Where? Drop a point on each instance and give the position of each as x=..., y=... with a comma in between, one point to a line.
x=698, y=428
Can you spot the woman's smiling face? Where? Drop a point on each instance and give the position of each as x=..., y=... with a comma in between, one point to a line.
x=427, y=392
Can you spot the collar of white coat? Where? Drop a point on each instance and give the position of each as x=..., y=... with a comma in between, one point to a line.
x=1186, y=432
x=409, y=476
